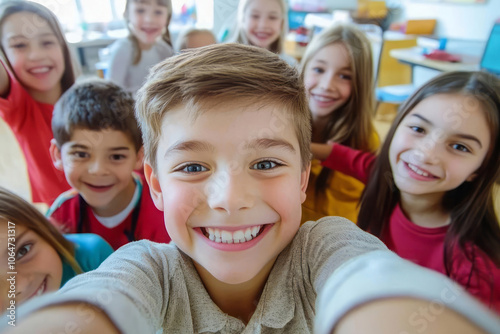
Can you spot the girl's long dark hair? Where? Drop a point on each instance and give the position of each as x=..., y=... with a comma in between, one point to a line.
x=471, y=207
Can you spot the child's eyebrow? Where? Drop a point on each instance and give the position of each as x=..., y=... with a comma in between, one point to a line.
x=460, y=135
x=264, y=143
x=190, y=145
x=120, y=148
x=201, y=146
x=320, y=61
x=83, y=147
x=26, y=37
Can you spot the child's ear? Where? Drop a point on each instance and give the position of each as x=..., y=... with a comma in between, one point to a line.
x=140, y=158
x=154, y=186
x=304, y=181
x=55, y=154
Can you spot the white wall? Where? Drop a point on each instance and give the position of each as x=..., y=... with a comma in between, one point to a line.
x=225, y=15
x=460, y=21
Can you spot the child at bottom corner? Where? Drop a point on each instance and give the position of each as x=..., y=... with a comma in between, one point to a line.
x=227, y=157
x=41, y=259
x=98, y=145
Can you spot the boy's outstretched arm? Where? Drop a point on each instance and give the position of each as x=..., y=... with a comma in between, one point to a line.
x=392, y=316
x=392, y=295
x=66, y=318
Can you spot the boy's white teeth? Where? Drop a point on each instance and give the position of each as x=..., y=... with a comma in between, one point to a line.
x=417, y=170
x=228, y=237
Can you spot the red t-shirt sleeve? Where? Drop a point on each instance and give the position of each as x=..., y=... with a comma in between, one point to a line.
x=351, y=162
x=13, y=107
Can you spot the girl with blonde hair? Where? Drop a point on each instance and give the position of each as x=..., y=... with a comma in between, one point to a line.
x=337, y=69
x=263, y=23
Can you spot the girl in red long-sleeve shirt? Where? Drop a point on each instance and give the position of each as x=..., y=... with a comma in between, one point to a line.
x=429, y=193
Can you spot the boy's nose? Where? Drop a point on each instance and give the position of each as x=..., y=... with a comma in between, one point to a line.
x=97, y=166
x=229, y=193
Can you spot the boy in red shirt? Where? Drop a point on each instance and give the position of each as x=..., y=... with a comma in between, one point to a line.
x=98, y=145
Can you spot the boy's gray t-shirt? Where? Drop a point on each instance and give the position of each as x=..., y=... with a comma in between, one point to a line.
x=144, y=286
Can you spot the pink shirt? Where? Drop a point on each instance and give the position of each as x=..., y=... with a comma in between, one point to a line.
x=30, y=122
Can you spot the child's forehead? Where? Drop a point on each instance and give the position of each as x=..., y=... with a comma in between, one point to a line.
x=101, y=137
x=211, y=108
x=25, y=24
x=232, y=120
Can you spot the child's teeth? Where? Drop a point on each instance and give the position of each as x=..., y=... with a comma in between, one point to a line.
x=418, y=171
x=238, y=235
x=227, y=237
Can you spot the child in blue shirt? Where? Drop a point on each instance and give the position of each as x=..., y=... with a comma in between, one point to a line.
x=42, y=259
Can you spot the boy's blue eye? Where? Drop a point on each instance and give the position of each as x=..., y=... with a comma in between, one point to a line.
x=47, y=43
x=346, y=76
x=265, y=164
x=194, y=168
x=139, y=10
x=23, y=250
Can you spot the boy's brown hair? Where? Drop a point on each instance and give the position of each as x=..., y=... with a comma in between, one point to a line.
x=221, y=73
x=95, y=104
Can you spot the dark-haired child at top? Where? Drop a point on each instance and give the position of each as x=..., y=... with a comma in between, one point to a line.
x=97, y=143
x=428, y=194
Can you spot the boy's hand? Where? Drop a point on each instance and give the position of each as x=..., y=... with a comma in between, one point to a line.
x=321, y=151
x=66, y=318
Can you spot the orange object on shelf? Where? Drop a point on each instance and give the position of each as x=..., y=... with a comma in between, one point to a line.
x=420, y=27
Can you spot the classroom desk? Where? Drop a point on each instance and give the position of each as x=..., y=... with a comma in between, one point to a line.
x=413, y=57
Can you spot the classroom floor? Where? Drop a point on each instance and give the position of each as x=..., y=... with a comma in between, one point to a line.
x=14, y=175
